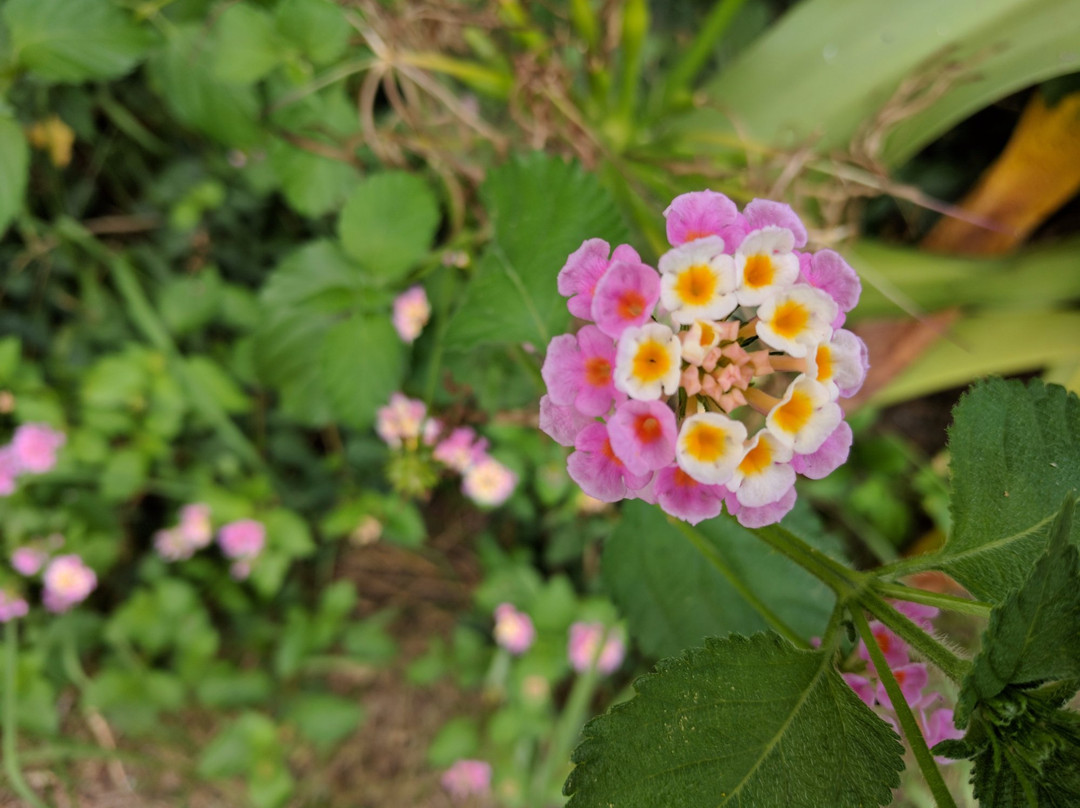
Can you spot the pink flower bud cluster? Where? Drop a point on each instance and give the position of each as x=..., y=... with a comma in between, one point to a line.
x=191, y=534
x=514, y=629
x=467, y=778
x=404, y=423
x=12, y=606
x=585, y=646
x=242, y=541
x=66, y=579
x=32, y=450
x=713, y=379
x=936, y=722
x=411, y=313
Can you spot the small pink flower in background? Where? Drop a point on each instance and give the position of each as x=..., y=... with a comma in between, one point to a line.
x=401, y=421
x=243, y=539
x=12, y=606
x=195, y=524
x=172, y=545
x=584, y=643
x=9, y=470
x=514, y=630
x=35, y=447
x=938, y=726
x=28, y=560
x=68, y=581
x=240, y=569
x=411, y=313
x=488, y=482
x=461, y=449
x=467, y=778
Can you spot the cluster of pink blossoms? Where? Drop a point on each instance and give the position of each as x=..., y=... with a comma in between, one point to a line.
x=240, y=541
x=515, y=632
x=32, y=450
x=714, y=380
x=935, y=721
x=411, y=313
x=404, y=424
x=66, y=579
x=467, y=778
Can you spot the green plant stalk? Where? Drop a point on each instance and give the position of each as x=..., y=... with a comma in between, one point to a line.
x=903, y=713
x=896, y=591
x=950, y=664
x=635, y=27
x=706, y=548
x=692, y=61
x=11, y=759
x=842, y=580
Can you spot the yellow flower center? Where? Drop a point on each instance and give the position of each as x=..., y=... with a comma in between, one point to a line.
x=824, y=363
x=790, y=319
x=705, y=442
x=759, y=271
x=757, y=459
x=696, y=285
x=793, y=416
x=651, y=362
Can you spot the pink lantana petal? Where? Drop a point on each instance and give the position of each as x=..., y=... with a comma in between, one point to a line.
x=643, y=435
x=828, y=457
x=595, y=468
x=625, y=297
x=583, y=269
x=862, y=687
x=766, y=514
x=761, y=213
x=561, y=423
x=829, y=272
x=685, y=498
x=918, y=613
x=912, y=678
x=704, y=213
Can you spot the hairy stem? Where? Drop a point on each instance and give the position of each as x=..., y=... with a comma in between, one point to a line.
x=903, y=713
x=841, y=579
x=950, y=664
x=942, y=601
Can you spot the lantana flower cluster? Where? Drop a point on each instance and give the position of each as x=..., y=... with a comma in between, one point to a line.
x=241, y=541
x=934, y=717
x=714, y=378
x=66, y=580
x=32, y=450
x=404, y=424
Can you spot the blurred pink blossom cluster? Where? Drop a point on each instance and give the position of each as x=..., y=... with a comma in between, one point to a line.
x=514, y=629
x=32, y=450
x=935, y=721
x=411, y=313
x=240, y=541
x=591, y=642
x=713, y=379
x=66, y=579
x=404, y=424
x=467, y=778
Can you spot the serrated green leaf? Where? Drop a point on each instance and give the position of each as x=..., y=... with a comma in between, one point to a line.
x=14, y=170
x=1015, y=453
x=363, y=361
x=316, y=27
x=1032, y=636
x=209, y=375
x=60, y=42
x=740, y=722
x=181, y=74
x=542, y=209
x=388, y=223
x=246, y=45
x=673, y=597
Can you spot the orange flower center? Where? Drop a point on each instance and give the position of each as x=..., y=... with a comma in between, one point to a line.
x=705, y=442
x=824, y=363
x=696, y=285
x=759, y=271
x=651, y=362
x=790, y=319
x=757, y=459
x=647, y=428
x=793, y=416
x=631, y=304
x=597, y=371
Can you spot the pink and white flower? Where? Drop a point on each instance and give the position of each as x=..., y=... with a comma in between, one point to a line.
x=411, y=313
x=579, y=371
x=583, y=269
x=625, y=297
x=643, y=435
x=28, y=560
x=488, y=482
x=401, y=421
x=697, y=281
x=647, y=362
x=595, y=643
x=243, y=539
x=598, y=470
x=685, y=498
x=700, y=214
x=12, y=606
x=467, y=778
x=35, y=447
x=514, y=629
x=67, y=582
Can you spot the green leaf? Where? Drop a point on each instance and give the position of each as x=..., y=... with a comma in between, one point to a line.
x=1015, y=452
x=312, y=184
x=388, y=223
x=363, y=363
x=250, y=739
x=459, y=738
x=223, y=687
x=542, y=209
x=14, y=170
x=58, y=42
x=246, y=45
x=181, y=74
x=673, y=597
x=1032, y=636
x=740, y=722
x=316, y=27
x=323, y=718
x=209, y=375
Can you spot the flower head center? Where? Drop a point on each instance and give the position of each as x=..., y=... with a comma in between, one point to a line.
x=793, y=415
x=597, y=371
x=759, y=271
x=631, y=304
x=647, y=429
x=824, y=363
x=790, y=319
x=651, y=362
x=757, y=459
x=609, y=453
x=705, y=442
x=696, y=286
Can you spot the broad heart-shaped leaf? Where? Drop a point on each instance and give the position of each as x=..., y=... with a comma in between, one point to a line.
x=673, y=596
x=362, y=363
x=14, y=170
x=542, y=209
x=246, y=44
x=1033, y=635
x=59, y=40
x=388, y=223
x=1015, y=452
x=741, y=722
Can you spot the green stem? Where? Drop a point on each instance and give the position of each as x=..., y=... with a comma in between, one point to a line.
x=708, y=549
x=942, y=601
x=11, y=759
x=843, y=581
x=907, y=566
x=634, y=30
x=714, y=27
x=950, y=664
x=903, y=712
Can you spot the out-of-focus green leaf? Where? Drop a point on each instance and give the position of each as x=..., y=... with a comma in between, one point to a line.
x=829, y=66
x=388, y=223
x=542, y=209
x=459, y=738
x=673, y=597
x=742, y=721
x=246, y=44
x=182, y=76
x=14, y=170
x=323, y=718
x=237, y=749
x=188, y=303
x=224, y=687
x=59, y=40
x=363, y=363
x=316, y=27
x=313, y=185
x=209, y=375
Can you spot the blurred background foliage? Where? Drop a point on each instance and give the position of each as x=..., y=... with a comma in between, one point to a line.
x=207, y=209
